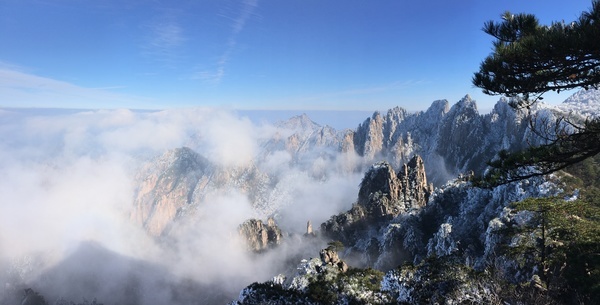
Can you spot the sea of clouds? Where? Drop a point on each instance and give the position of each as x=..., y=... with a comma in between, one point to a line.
x=67, y=192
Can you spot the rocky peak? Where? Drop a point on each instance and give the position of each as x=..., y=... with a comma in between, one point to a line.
x=383, y=195
x=438, y=108
x=464, y=110
x=330, y=257
x=394, y=117
x=585, y=102
x=397, y=112
x=383, y=192
x=467, y=102
x=379, y=190
x=347, y=141
x=413, y=180
x=309, y=229
x=460, y=135
x=300, y=123
x=368, y=138
x=166, y=186
x=383, y=136
x=179, y=162
x=260, y=236
x=301, y=137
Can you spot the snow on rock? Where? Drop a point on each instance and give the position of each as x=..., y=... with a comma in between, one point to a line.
x=442, y=243
x=584, y=102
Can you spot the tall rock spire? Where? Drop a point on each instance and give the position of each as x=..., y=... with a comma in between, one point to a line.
x=383, y=194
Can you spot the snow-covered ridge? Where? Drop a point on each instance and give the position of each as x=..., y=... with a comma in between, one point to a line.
x=584, y=102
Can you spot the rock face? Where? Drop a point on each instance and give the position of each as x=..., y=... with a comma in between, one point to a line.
x=260, y=236
x=330, y=257
x=383, y=196
x=383, y=192
x=413, y=179
x=454, y=139
x=167, y=186
x=309, y=229
x=177, y=182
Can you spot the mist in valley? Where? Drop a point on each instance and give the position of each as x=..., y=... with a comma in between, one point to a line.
x=70, y=179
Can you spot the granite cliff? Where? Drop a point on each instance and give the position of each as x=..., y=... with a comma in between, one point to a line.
x=172, y=185
x=452, y=140
x=260, y=236
x=383, y=196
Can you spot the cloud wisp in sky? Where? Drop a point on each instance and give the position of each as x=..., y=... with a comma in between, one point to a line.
x=215, y=75
x=164, y=41
x=22, y=88
x=258, y=55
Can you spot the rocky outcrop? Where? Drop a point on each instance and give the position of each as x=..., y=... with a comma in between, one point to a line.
x=413, y=179
x=330, y=257
x=309, y=229
x=383, y=195
x=383, y=192
x=369, y=138
x=177, y=183
x=380, y=191
x=260, y=236
x=166, y=187
x=380, y=137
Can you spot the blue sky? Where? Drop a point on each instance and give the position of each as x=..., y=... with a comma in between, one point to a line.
x=250, y=54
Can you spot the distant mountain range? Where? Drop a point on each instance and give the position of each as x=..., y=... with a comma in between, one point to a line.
x=451, y=140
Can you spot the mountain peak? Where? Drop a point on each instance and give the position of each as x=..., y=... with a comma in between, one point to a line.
x=301, y=122
x=260, y=236
x=467, y=102
x=586, y=102
x=438, y=108
x=465, y=108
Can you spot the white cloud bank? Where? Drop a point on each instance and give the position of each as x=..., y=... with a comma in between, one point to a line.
x=69, y=178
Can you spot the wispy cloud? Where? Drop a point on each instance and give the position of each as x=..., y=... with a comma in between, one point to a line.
x=248, y=7
x=215, y=75
x=23, y=89
x=167, y=36
x=164, y=42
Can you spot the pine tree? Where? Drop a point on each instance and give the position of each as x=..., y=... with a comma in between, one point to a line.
x=530, y=59
x=566, y=246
